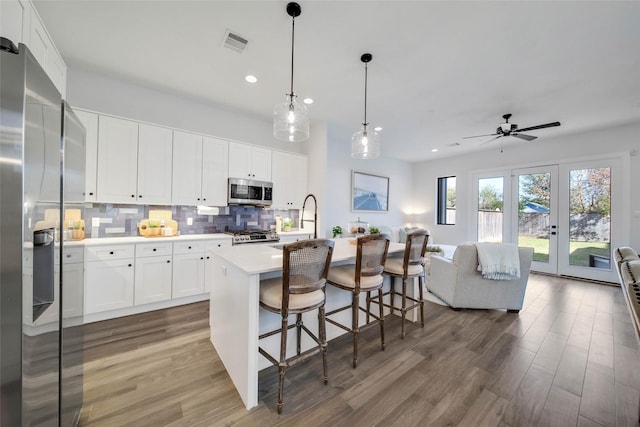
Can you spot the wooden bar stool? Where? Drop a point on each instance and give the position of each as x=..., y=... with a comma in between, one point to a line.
x=300, y=289
x=364, y=276
x=411, y=265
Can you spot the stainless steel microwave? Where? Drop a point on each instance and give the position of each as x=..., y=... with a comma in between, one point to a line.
x=250, y=192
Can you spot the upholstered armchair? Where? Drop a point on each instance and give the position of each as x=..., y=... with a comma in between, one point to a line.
x=459, y=284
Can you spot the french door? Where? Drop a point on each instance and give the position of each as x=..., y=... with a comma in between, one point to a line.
x=568, y=213
x=571, y=214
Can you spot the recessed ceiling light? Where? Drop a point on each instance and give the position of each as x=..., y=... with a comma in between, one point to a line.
x=308, y=101
x=377, y=128
x=434, y=150
x=250, y=78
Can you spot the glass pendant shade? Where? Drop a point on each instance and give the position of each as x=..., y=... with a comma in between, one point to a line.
x=365, y=144
x=291, y=120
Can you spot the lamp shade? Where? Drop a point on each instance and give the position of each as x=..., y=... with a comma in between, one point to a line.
x=291, y=120
x=365, y=144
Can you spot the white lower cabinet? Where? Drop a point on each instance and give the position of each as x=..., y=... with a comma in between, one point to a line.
x=109, y=278
x=153, y=273
x=188, y=269
x=208, y=272
x=109, y=285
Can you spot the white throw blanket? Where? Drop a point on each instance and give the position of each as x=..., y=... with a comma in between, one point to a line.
x=498, y=261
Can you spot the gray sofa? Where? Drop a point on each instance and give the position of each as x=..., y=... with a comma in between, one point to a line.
x=459, y=284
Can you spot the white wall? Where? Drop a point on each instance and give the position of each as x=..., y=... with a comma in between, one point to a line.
x=337, y=177
x=623, y=138
x=107, y=95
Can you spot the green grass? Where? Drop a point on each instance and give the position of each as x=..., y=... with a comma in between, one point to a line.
x=579, y=251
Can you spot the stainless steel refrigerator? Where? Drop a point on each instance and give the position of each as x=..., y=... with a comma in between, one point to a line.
x=41, y=180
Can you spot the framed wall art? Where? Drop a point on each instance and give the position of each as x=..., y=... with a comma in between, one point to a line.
x=369, y=193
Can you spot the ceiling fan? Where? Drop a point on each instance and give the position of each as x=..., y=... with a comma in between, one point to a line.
x=511, y=129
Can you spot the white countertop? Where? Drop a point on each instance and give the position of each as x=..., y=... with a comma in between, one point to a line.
x=263, y=258
x=140, y=239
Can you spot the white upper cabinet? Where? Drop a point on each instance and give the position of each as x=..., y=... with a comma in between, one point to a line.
x=215, y=170
x=187, y=169
x=289, y=174
x=90, y=123
x=155, y=151
x=20, y=23
x=117, y=160
x=249, y=162
x=134, y=162
x=200, y=168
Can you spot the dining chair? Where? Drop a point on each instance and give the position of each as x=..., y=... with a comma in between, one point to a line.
x=364, y=276
x=300, y=289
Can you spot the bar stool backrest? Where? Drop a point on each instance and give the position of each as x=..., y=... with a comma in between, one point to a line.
x=415, y=248
x=371, y=255
x=305, y=267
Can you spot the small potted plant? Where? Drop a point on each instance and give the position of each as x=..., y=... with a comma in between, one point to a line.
x=374, y=230
x=287, y=223
x=154, y=228
x=336, y=231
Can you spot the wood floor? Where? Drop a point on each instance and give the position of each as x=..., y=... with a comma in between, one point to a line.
x=569, y=358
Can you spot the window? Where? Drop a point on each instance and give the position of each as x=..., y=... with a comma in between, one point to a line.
x=446, y=213
x=490, y=209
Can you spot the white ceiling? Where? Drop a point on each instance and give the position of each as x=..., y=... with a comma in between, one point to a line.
x=440, y=70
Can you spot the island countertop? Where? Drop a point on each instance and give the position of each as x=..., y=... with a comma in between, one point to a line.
x=264, y=258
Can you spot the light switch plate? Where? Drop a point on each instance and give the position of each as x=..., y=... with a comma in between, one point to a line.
x=189, y=221
x=95, y=221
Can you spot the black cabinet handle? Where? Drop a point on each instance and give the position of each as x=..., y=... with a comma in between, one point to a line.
x=111, y=253
x=201, y=257
x=204, y=200
x=189, y=247
x=129, y=265
x=133, y=195
x=219, y=245
x=154, y=249
x=168, y=261
x=91, y=194
x=198, y=198
x=207, y=257
x=140, y=195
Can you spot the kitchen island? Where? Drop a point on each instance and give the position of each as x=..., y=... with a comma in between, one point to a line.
x=236, y=319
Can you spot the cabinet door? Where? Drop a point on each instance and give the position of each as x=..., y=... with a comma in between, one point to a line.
x=187, y=169
x=90, y=123
x=239, y=161
x=214, y=245
x=280, y=178
x=215, y=170
x=73, y=290
x=298, y=171
x=117, y=160
x=12, y=15
x=153, y=279
x=109, y=285
x=188, y=275
x=155, y=151
x=261, y=163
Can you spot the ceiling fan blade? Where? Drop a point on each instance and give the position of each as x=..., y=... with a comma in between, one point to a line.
x=492, y=139
x=547, y=125
x=523, y=136
x=480, y=136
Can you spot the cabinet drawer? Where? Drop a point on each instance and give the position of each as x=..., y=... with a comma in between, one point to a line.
x=152, y=249
x=101, y=253
x=72, y=255
x=187, y=247
x=222, y=243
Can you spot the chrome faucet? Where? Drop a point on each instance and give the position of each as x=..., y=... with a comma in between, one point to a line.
x=315, y=215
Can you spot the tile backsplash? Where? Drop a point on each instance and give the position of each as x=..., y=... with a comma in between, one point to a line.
x=121, y=220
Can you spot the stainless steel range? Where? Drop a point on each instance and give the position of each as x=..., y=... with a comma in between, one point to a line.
x=241, y=237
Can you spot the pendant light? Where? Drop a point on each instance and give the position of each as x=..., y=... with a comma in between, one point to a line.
x=290, y=118
x=365, y=144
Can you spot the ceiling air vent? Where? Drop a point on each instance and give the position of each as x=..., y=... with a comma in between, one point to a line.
x=235, y=42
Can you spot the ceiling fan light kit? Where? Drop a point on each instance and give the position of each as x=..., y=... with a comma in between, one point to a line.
x=291, y=118
x=365, y=144
x=511, y=129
